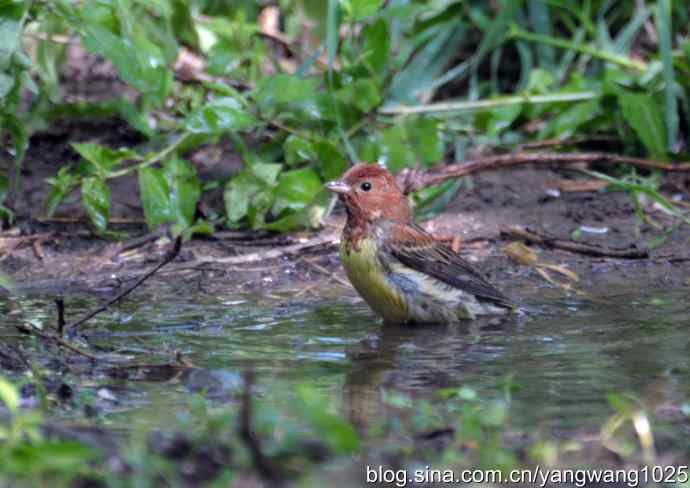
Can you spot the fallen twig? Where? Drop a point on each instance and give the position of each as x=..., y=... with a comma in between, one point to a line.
x=62, y=342
x=263, y=464
x=521, y=233
x=411, y=180
x=170, y=255
x=255, y=257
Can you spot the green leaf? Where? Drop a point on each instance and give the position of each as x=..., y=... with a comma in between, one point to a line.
x=298, y=150
x=103, y=158
x=568, y=121
x=376, y=45
x=338, y=433
x=365, y=94
x=96, y=198
x=185, y=190
x=501, y=118
x=6, y=84
x=642, y=112
x=296, y=189
x=275, y=91
x=394, y=150
x=221, y=115
x=11, y=21
x=237, y=196
x=62, y=185
x=425, y=138
x=250, y=194
x=358, y=10
x=266, y=172
x=141, y=65
x=154, y=190
x=331, y=162
x=170, y=194
x=9, y=395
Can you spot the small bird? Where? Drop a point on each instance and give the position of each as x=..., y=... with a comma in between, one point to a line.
x=396, y=266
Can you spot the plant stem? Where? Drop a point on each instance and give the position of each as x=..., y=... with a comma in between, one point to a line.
x=624, y=61
x=490, y=103
x=153, y=158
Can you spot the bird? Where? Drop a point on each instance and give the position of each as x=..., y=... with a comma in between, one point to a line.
x=398, y=268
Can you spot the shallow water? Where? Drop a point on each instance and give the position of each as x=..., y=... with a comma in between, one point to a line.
x=561, y=360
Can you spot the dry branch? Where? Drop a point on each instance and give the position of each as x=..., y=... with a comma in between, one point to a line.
x=259, y=256
x=521, y=233
x=412, y=180
x=169, y=256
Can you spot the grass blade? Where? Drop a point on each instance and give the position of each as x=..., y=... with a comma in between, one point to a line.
x=663, y=25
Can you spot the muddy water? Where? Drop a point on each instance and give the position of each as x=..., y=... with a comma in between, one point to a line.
x=560, y=362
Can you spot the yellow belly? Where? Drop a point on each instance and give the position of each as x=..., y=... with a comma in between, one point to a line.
x=402, y=295
x=367, y=275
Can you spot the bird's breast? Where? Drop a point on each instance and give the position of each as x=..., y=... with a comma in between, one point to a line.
x=370, y=278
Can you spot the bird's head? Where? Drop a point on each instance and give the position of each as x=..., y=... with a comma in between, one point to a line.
x=370, y=192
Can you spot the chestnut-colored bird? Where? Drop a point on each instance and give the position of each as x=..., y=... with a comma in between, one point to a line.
x=396, y=266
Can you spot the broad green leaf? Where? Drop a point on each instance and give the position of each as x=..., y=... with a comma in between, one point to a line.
x=643, y=114
x=330, y=160
x=376, y=45
x=296, y=189
x=298, y=150
x=310, y=217
x=365, y=94
x=96, y=199
x=155, y=191
x=274, y=91
x=237, y=196
x=219, y=116
x=170, y=194
x=11, y=20
x=185, y=190
x=266, y=172
x=501, y=118
x=425, y=140
x=103, y=158
x=138, y=61
x=394, y=149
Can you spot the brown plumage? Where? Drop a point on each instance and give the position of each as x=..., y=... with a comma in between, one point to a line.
x=398, y=268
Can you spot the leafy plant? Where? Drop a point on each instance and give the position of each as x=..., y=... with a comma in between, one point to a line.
x=405, y=83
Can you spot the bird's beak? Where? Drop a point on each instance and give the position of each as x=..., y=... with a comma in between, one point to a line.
x=338, y=187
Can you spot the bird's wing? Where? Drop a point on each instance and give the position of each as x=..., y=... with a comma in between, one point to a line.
x=414, y=247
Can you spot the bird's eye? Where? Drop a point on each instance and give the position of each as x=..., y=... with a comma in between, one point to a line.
x=366, y=186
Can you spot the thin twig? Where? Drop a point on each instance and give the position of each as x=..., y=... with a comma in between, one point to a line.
x=413, y=180
x=262, y=463
x=517, y=232
x=62, y=342
x=255, y=257
x=326, y=272
x=170, y=255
